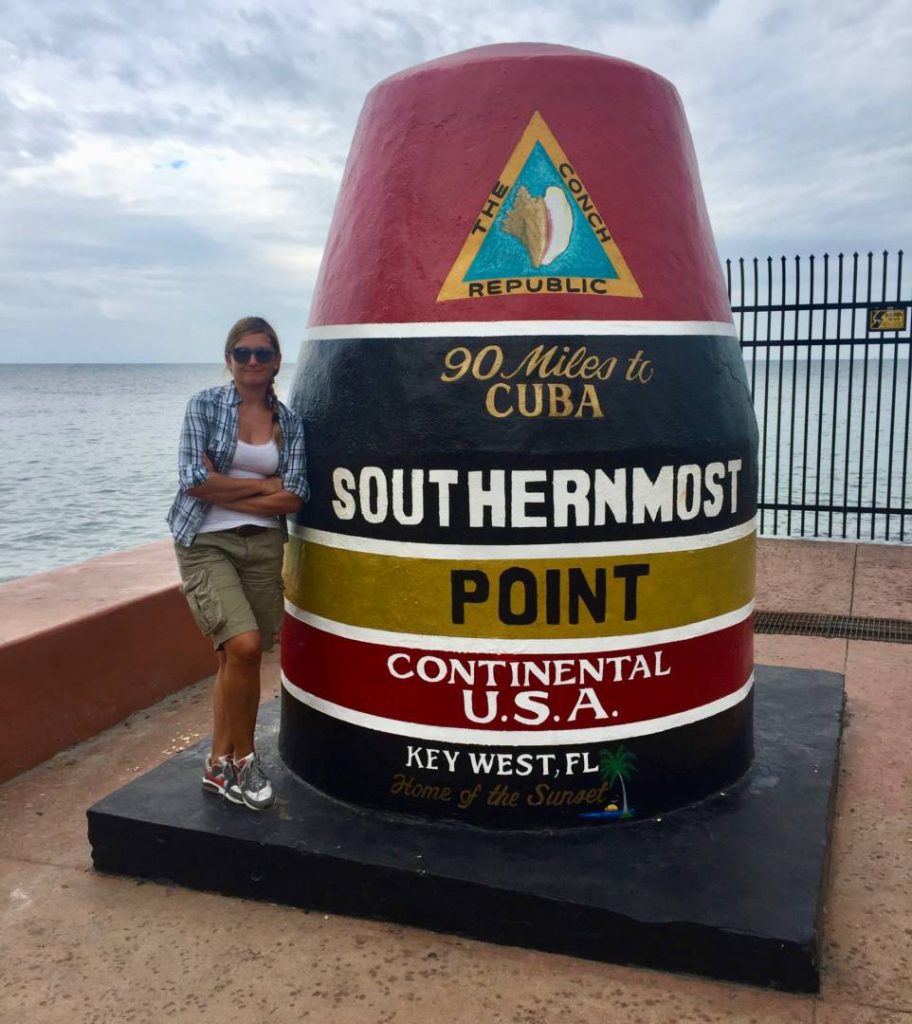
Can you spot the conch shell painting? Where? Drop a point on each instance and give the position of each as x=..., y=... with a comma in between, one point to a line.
x=542, y=223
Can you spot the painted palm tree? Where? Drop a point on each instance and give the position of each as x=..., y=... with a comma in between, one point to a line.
x=618, y=764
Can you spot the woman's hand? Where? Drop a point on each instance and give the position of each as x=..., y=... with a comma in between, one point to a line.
x=272, y=485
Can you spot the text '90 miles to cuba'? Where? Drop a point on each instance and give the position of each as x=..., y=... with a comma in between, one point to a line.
x=554, y=381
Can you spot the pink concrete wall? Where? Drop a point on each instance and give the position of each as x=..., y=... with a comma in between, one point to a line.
x=85, y=646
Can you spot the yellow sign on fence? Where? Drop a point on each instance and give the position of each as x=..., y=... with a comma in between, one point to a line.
x=887, y=318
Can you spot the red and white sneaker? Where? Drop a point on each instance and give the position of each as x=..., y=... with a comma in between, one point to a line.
x=221, y=778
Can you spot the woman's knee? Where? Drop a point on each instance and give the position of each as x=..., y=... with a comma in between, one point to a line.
x=245, y=647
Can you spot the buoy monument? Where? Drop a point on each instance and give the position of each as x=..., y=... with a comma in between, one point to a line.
x=521, y=593
x=518, y=693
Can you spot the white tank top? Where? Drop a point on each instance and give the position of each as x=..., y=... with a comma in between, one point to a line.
x=250, y=462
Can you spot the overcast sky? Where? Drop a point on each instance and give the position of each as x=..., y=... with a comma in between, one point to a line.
x=168, y=167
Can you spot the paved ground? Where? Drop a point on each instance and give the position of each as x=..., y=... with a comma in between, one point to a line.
x=82, y=948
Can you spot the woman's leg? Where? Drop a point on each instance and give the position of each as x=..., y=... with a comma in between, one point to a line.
x=221, y=731
x=237, y=701
x=237, y=695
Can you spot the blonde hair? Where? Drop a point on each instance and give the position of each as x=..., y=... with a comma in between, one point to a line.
x=257, y=325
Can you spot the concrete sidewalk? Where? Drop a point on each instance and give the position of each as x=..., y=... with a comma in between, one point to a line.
x=82, y=948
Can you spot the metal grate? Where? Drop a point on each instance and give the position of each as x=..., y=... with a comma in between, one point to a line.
x=843, y=627
x=832, y=390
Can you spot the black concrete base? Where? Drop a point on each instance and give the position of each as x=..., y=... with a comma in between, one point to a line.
x=731, y=887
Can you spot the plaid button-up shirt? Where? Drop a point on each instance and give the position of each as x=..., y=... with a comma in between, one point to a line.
x=211, y=428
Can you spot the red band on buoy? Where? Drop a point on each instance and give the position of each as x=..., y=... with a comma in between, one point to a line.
x=431, y=687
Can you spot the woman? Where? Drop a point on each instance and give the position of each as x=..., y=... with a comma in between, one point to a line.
x=242, y=470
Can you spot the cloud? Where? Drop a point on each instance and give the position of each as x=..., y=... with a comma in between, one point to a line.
x=177, y=164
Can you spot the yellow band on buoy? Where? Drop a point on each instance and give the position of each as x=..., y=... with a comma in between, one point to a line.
x=543, y=597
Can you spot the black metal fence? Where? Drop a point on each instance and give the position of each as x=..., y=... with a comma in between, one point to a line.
x=831, y=384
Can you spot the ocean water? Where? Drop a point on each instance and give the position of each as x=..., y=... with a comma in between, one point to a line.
x=90, y=451
x=835, y=434
x=90, y=455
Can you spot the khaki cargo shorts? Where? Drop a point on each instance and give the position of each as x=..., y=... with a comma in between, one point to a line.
x=233, y=584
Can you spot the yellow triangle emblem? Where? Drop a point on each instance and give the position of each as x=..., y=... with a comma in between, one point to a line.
x=539, y=232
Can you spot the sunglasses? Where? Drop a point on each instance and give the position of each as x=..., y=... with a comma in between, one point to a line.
x=262, y=355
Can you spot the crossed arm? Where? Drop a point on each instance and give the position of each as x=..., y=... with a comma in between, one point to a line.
x=255, y=497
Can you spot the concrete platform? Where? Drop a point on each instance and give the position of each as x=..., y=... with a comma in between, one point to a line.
x=79, y=947
x=730, y=887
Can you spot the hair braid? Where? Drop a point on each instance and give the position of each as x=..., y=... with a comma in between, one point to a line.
x=277, y=435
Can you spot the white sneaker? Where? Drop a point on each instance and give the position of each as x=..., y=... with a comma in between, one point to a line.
x=254, y=786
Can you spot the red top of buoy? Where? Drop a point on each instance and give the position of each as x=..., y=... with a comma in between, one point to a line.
x=521, y=182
